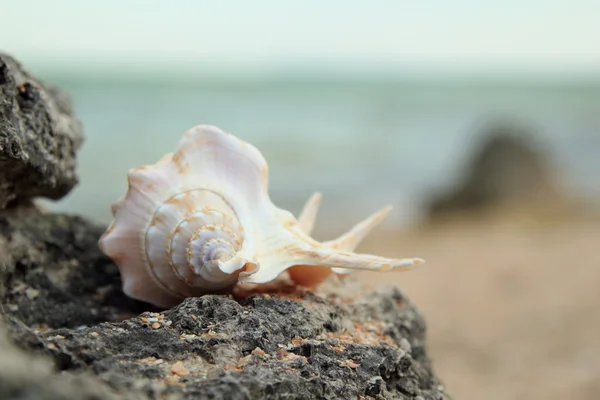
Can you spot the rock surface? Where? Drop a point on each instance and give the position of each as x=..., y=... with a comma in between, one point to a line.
x=53, y=274
x=39, y=137
x=507, y=169
x=61, y=299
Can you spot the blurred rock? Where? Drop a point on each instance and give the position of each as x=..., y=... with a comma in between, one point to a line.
x=507, y=169
x=62, y=299
x=26, y=376
x=39, y=137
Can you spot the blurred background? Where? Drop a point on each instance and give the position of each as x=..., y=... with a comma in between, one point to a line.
x=479, y=123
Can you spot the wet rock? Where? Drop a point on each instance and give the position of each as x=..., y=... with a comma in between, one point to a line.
x=508, y=168
x=39, y=137
x=62, y=300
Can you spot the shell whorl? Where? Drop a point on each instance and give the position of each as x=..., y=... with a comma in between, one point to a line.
x=193, y=233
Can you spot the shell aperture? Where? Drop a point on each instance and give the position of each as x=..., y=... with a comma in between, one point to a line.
x=200, y=220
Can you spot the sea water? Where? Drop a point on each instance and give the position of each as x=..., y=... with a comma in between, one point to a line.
x=363, y=144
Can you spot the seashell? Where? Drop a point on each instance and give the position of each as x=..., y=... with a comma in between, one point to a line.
x=201, y=221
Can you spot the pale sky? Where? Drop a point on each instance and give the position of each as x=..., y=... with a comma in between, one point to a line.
x=543, y=36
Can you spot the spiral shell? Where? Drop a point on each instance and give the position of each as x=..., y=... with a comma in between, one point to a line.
x=200, y=221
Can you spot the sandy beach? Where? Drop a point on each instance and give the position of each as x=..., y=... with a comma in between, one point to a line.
x=512, y=304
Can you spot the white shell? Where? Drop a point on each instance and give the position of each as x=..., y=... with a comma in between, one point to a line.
x=200, y=220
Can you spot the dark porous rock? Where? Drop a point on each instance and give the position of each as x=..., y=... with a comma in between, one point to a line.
x=62, y=301
x=53, y=275
x=509, y=168
x=39, y=137
x=295, y=346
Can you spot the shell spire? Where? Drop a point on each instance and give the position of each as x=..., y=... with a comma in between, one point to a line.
x=200, y=220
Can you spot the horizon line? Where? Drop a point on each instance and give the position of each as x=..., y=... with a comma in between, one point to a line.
x=194, y=72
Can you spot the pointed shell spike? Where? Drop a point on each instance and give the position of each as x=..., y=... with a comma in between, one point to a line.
x=310, y=275
x=357, y=233
x=351, y=239
x=308, y=254
x=306, y=220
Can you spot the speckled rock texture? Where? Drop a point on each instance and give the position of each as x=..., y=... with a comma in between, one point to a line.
x=62, y=304
x=39, y=137
x=53, y=275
